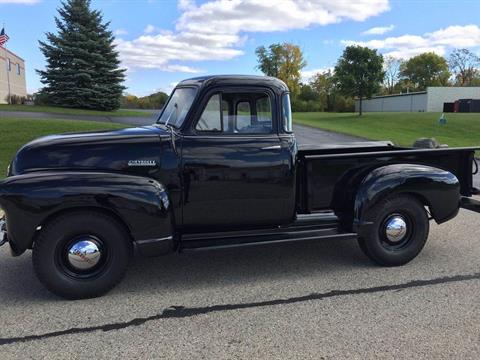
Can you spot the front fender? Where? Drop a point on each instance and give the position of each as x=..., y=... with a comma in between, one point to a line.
x=437, y=188
x=29, y=200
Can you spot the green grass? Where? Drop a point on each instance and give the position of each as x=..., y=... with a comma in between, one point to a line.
x=401, y=128
x=68, y=111
x=16, y=132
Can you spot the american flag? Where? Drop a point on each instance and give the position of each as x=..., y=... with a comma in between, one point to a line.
x=3, y=37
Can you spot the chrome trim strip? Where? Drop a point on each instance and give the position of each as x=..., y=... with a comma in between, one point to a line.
x=153, y=241
x=238, y=137
x=273, y=147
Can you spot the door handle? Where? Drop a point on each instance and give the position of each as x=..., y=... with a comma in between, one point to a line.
x=274, y=147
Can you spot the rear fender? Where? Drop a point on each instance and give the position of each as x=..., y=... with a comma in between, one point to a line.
x=436, y=188
x=142, y=204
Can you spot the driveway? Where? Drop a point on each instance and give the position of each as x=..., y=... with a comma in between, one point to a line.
x=313, y=300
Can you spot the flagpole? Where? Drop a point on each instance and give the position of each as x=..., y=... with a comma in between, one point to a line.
x=8, y=75
x=8, y=70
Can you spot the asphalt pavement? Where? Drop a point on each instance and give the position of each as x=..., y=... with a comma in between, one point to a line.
x=315, y=300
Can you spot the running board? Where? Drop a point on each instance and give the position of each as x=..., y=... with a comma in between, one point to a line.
x=305, y=228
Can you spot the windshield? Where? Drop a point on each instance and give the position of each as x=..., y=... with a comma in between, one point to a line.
x=177, y=106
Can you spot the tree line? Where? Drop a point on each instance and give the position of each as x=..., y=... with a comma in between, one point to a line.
x=361, y=72
x=153, y=101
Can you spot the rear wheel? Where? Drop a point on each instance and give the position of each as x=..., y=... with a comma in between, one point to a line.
x=398, y=232
x=81, y=254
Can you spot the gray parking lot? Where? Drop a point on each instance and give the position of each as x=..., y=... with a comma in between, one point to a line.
x=310, y=300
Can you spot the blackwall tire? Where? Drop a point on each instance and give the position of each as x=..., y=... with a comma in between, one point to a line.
x=398, y=233
x=81, y=254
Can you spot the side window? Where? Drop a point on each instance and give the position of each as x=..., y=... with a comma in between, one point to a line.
x=286, y=113
x=264, y=111
x=244, y=116
x=211, y=118
x=18, y=69
x=237, y=113
x=257, y=120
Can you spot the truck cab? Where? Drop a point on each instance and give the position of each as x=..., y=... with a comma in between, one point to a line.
x=237, y=151
x=220, y=168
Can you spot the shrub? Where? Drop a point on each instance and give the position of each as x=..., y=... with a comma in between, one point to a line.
x=306, y=106
x=41, y=98
x=16, y=99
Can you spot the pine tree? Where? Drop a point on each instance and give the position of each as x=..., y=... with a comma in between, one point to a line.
x=82, y=64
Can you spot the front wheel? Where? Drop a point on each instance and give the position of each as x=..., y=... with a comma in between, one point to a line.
x=398, y=231
x=81, y=254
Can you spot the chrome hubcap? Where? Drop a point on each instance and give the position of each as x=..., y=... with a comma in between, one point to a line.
x=84, y=254
x=396, y=228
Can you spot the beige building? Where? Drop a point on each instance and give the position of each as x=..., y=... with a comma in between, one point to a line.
x=431, y=100
x=12, y=69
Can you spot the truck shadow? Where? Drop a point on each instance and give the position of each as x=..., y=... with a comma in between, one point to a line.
x=203, y=270
x=242, y=266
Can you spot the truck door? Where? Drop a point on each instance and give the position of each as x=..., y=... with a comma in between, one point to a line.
x=236, y=172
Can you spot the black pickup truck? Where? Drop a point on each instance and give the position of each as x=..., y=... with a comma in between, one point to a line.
x=220, y=168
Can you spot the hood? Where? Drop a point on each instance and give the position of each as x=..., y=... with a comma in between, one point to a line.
x=133, y=150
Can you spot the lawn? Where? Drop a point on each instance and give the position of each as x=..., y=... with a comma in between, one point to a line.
x=401, y=128
x=68, y=111
x=16, y=132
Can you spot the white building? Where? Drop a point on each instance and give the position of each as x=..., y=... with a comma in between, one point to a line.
x=430, y=101
x=12, y=75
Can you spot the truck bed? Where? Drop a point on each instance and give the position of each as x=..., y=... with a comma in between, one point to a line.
x=325, y=168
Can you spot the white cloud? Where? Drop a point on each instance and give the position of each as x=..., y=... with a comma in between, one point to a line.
x=186, y=4
x=379, y=30
x=170, y=87
x=119, y=32
x=406, y=46
x=234, y=16
x=166, y=89
x=216, y=29
x=306, y=75
x=22, y=2
x=150, y=29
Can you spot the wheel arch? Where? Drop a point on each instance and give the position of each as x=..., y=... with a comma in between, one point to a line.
x=66, y=211
x=437, y=189
x=141, y=204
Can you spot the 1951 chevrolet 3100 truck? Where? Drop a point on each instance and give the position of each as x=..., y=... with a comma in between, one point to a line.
x=221, y=168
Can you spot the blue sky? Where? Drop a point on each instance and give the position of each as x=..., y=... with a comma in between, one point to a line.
x=163, y=42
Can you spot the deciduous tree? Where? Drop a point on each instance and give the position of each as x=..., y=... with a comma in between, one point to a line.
x=427, y=69
x=359, y=72
x=465, y=66
x=391, y=66
x=324, y=85
x=284, y=61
